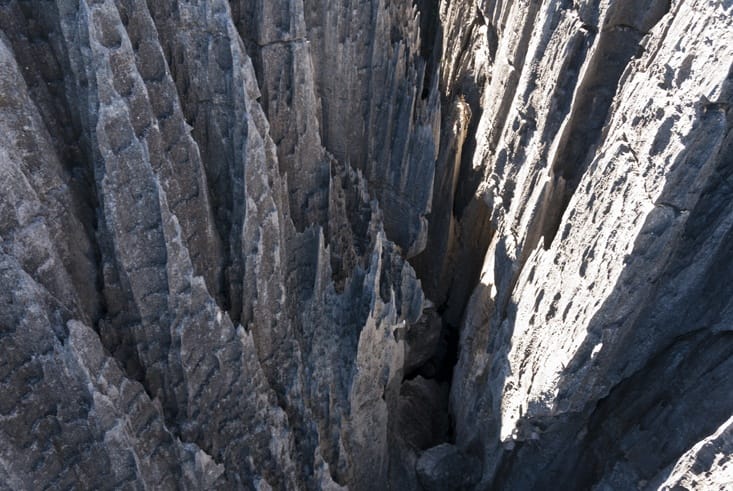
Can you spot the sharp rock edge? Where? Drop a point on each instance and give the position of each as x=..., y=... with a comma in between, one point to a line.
x=338, y=244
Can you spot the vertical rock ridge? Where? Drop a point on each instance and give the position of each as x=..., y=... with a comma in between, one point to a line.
x=369, y=75
x=275, y=33
x=330, y=244
x=527, y=311
x=624, y=26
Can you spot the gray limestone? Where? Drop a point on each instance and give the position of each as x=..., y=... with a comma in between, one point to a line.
x=366, y=244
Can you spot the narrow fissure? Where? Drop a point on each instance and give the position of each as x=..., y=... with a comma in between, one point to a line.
x=430, y=45
x=440, y=365
x=459, y=235
x=363, y=338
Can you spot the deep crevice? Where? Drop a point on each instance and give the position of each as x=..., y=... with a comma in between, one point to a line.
x=440, y=365
x=431, y=49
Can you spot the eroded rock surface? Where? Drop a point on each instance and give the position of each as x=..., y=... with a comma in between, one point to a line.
x=366, y=244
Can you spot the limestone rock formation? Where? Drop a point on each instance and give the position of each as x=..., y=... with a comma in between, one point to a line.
x=366, y=244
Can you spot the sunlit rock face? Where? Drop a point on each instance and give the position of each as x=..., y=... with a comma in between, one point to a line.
x=366, y=244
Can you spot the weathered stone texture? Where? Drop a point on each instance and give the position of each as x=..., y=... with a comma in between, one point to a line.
x=366, y=244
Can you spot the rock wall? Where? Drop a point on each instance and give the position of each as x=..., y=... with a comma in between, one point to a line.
x=595, y=348
x=328, y=244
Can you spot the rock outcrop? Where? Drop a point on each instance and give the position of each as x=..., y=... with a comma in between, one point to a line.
x=366, y=244
x=596, y=346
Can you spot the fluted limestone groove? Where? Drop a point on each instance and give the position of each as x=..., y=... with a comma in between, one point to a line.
x=361, y=244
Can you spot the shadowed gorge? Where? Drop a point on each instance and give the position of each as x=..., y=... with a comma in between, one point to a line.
x=366, y=244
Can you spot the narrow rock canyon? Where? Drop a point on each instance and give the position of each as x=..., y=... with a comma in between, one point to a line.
x=366, y=244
